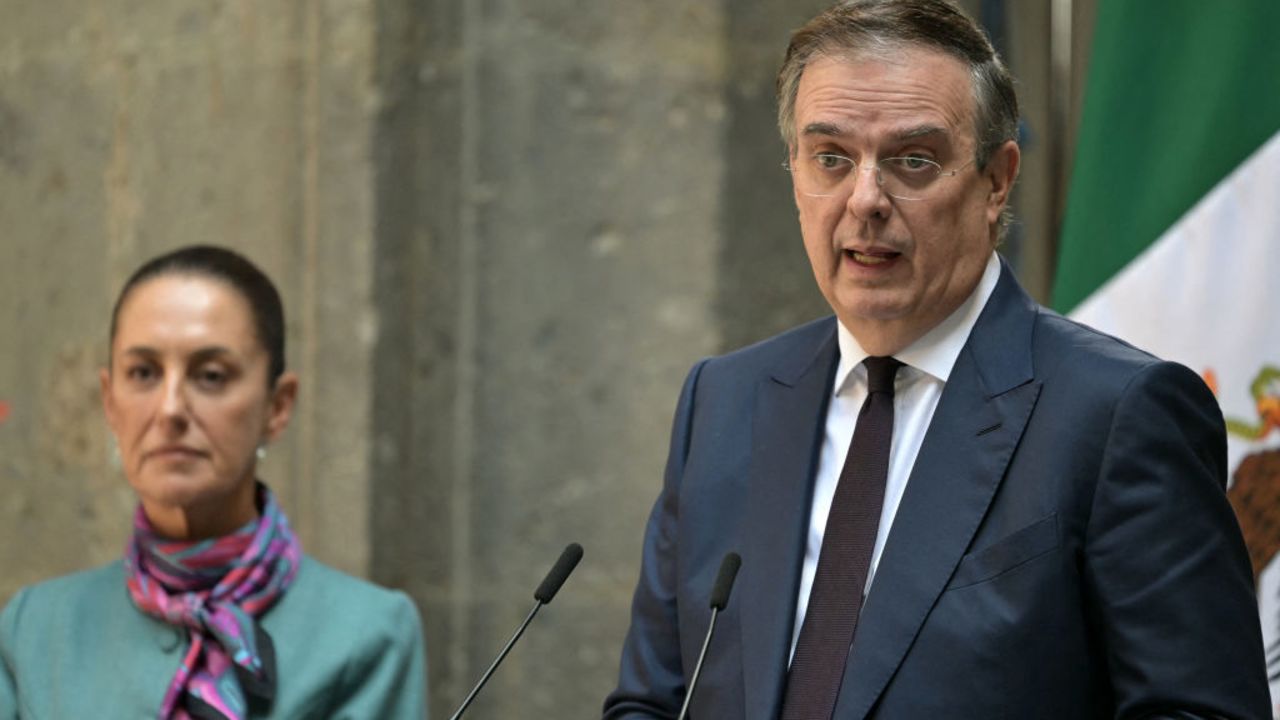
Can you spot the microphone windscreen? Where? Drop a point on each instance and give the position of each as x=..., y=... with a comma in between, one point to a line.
x=724, y=581
x=559, y=573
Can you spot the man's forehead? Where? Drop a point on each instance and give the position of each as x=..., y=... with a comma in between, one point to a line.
x=900, y=55
x=914, y=69
x=905, y=132
x=918, y=93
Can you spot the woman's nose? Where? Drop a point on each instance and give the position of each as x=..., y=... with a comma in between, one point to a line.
x=173, y=400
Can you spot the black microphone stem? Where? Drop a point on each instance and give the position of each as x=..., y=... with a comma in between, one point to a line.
x=697, y=669
x=543, y=595
x=537, y=605
x=719, y=600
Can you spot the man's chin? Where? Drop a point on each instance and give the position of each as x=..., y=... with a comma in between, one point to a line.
x=870, y=307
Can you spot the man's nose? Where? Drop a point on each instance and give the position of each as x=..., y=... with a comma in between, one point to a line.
x=867, y=198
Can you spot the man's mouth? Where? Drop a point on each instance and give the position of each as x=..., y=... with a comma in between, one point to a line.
x=871, y=258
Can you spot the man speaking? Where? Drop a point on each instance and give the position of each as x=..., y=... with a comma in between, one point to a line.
x=949, y=501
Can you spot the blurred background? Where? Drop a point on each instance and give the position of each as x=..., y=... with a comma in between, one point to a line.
x=503, y=232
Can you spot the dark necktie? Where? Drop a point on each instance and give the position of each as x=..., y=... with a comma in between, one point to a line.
x=835, y=600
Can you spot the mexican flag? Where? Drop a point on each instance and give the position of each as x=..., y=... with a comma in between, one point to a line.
x=1171, y=238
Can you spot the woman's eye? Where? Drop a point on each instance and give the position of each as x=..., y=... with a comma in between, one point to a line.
x=140, y=373
x=212, y=378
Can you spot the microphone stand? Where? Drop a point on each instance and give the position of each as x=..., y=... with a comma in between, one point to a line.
x=543, y=595
x=719, y=599
x=494, y=665
x=697, y=669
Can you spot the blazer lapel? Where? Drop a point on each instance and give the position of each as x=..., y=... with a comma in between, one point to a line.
x=979, y=420
x=786, y=432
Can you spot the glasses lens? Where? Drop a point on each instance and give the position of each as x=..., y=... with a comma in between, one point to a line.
x=827, y=174
x=821, y=173
x=908, y=178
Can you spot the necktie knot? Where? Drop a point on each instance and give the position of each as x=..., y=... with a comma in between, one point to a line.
x=880, y=373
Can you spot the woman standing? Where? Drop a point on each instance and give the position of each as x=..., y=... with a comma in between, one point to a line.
x=214, y=611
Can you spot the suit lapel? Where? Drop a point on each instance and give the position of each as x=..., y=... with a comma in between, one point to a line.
x=978, y=423
x=786, y=432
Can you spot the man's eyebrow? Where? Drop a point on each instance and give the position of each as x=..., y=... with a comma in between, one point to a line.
x=822, y=128
x=909, y=133
x=919, y=131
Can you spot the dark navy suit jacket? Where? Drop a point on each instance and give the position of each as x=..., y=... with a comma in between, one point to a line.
x=1064, y=548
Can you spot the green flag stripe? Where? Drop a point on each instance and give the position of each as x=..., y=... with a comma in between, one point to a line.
x=1179, y=93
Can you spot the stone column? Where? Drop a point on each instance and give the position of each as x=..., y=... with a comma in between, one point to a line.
x=550, y=185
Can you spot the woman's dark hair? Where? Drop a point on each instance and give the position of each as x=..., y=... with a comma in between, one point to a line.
x=238, y=273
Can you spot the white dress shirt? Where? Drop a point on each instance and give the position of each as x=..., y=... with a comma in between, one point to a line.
x=917, y=388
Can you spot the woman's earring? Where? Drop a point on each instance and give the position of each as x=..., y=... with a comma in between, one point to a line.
x=116, y=461
x=261, y=452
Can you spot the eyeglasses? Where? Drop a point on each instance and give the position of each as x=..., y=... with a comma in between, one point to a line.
x=826, y=174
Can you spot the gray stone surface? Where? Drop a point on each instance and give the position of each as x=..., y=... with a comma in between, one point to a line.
x=503, y=231
x=765, y=284
x=554, y=172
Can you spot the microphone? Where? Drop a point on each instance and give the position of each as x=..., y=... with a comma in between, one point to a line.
x=719, y=599
x=546, y=591
x=559, y=572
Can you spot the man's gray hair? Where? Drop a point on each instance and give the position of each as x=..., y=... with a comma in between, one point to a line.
x=859, y=28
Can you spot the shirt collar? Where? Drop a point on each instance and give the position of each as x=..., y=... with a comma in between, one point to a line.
x=935, y=352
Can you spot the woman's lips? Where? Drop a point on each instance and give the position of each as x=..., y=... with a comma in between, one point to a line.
x=174, y=452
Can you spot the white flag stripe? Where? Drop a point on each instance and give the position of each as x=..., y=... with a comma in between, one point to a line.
x=1207, y=293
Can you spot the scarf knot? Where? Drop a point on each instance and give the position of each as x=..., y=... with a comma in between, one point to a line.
x=216, y=590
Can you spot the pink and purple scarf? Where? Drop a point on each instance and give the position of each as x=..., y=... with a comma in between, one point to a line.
x=215, y=589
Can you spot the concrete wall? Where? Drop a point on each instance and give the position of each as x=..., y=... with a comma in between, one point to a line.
x=503, y=231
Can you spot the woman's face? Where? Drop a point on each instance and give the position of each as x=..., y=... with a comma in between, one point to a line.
x=187, y=397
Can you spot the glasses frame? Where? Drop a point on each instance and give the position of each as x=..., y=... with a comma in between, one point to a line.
x=856, y=169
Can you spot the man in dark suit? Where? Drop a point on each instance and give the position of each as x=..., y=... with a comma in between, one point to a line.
x=949, y=501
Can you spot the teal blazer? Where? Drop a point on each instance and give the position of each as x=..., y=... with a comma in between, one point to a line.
x=76, y=647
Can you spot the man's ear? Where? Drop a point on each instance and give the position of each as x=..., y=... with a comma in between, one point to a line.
x=283, y=397
x=1001, y=171
x=795, y=192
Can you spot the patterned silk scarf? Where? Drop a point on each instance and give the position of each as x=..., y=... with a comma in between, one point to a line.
x=215, y=589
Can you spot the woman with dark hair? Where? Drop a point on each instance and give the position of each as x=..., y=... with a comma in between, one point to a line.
x=214, y=611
